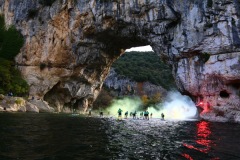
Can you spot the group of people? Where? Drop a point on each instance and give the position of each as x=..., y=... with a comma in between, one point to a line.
x=143, y=115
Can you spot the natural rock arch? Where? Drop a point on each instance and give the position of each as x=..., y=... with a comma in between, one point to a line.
x=77, y=41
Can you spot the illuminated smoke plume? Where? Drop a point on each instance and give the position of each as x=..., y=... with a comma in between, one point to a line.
x=175, y=107
x=126, y=104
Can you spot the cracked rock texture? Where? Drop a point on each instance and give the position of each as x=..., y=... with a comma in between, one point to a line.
x=70, y=45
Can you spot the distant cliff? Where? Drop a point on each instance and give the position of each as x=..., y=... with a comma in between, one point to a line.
x=125, y=86
x=70, y=45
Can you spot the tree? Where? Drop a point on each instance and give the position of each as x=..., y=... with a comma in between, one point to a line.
x=103, y=100
x=10, y=44
x=145, y=100
x=157, y=98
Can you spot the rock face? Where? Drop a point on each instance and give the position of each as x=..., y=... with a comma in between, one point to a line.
x=31, y=108
x=70, y=45
x=19, y=104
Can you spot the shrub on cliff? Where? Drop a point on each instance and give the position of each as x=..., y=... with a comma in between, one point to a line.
x=10, y=44
x=103, y=100
x=32, y=13
x=11, y=80
x=11, y=41
x=46, y=2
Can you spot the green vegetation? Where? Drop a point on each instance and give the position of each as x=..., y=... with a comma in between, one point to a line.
x=10, y=44
x=208, y=25
x=103, y=100
x=102, y=1
x=209, y=3
x=42, y=66
x=10, y=41
x=46, y=2
x=19, y=101
x=233, y=22
x=145, y=66
x=32, y=13
x=204, y=57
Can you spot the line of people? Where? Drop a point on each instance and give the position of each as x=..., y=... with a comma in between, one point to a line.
x=143, y=115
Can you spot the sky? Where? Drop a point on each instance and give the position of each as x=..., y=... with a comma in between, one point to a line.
x=142, y=48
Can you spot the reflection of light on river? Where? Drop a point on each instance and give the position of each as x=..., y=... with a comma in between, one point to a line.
x=203, y=139
x=203, y=134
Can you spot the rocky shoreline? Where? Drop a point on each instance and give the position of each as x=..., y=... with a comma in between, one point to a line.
x=20, y=104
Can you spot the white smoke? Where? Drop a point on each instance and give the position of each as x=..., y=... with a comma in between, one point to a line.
x=175, y=107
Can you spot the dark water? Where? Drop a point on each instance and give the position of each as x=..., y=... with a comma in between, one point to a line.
x=61, y=136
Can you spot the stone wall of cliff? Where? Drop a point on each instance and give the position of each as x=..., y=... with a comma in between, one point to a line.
x=70, y=45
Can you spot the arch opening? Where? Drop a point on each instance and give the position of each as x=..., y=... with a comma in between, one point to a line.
x=139, y=80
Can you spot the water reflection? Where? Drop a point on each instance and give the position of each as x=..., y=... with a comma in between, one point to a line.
x=203, y=136
x=203, y=142
x=59, y=136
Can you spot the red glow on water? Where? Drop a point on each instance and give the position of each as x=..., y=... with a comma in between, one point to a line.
x=203, y=130
x=195, y=148
x=203, y=141
x=187, y=156
x=203, y=134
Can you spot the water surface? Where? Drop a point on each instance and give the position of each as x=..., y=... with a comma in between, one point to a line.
x=63, y=136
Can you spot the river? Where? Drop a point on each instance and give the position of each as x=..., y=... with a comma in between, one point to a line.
x=67, y=137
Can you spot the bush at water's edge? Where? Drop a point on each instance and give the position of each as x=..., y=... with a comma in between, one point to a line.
x=11, y=80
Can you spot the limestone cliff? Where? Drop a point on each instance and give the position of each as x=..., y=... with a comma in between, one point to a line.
x=70, y=45
x=124, y=86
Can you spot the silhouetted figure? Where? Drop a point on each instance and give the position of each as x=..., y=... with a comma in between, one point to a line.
x=101, y=114
x=146, y=115
x=90, y=113
x=162, y=115
x=134, y=115
x=126, y=114
x=119, y=113
x=151, y=115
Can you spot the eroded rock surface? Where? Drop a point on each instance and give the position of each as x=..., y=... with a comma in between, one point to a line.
x=19, y=104
x=70, y=45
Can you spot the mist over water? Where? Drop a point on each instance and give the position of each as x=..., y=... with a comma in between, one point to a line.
x=174, y=107
x=179, y=106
